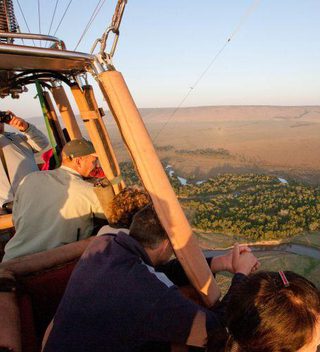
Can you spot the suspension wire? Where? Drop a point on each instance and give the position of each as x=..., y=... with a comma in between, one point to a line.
x=39, y=20
x=62, y=17
x=18, y=28
x=249, y=11
x=93, y=16
x=53, y=16
x=25, y=21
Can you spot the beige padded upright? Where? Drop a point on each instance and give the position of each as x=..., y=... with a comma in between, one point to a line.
x=53, y=117
x=98, y=134
x=6, y=221
x=66, y=112
x=157, y=184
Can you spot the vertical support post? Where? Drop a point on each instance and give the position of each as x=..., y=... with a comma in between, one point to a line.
x=49, y=127
x=157, y=184
x=54, y=122
x=6, y=221
x=98, y=133
x=66, y=112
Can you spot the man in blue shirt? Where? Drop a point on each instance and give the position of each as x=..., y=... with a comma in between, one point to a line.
x=117, y=301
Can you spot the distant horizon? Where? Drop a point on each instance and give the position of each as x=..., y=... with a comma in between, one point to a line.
x=209, y=106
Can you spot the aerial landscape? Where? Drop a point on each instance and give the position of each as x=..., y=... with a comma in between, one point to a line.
x=242, y=147
x=202, y=116
x=242, y=173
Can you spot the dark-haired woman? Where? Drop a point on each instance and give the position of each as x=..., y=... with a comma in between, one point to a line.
x=272, y=312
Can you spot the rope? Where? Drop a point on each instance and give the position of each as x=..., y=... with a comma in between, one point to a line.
x=25, y=21
x=63, y=17
x=93, y=16
x=53, y=16
x=39, y=19
x=232, y=35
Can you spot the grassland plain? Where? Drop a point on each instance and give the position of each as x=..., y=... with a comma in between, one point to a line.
x=279, y=140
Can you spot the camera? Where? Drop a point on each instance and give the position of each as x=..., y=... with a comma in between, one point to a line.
x=5, y=117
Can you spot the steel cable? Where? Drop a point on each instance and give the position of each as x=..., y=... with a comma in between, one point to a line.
x=92, y=18
x=39, y=20
x=65, y=11
x=232, y=35
x=53, y=16
x=25, y=20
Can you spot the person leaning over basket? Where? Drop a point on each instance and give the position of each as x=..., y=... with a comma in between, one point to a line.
x=56, y=207
x=122, y=295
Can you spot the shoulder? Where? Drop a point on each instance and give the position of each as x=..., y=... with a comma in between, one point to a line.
x=12, y=135
x=33, y=177
x=98, y=245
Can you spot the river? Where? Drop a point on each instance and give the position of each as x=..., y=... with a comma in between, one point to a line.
x=293, y=248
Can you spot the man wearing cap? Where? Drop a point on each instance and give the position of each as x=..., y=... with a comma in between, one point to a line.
x=56, y=207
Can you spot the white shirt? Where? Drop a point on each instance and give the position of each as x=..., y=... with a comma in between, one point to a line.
x=52, y=208
x=18, y=150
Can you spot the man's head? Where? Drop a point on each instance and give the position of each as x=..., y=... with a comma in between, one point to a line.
x=126, y=204
x=79, y=154
x=148, y=231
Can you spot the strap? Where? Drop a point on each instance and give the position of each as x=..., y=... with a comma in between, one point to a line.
x=117, y=180
x=4, y=163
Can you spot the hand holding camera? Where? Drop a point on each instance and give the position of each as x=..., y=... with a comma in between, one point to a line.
x=5, y=117
x=11, y=119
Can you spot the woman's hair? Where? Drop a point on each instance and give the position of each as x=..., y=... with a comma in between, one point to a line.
x=126, y=204
x=265, y=315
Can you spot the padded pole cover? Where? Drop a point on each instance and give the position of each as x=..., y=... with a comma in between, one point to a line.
x=99, y=136
x=57, y=130
x=157, y=184
x=6, y=221
x=66, y=112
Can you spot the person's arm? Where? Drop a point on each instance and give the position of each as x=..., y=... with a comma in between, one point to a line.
x=177, y=319
x=34, y=137
x=175, y=272
x=208, y=322
x=227, y=262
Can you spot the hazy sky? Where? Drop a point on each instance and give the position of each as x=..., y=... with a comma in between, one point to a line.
x=165, y=46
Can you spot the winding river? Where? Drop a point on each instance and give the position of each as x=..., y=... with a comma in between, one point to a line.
x=293, y=248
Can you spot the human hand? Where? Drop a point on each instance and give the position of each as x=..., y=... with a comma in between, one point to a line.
x=18, y=122
x=225, y=262
x=244, y=263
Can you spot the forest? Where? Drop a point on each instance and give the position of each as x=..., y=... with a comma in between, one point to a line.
x=255, y=207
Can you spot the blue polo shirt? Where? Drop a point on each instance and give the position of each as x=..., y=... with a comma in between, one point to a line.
x=116, y=301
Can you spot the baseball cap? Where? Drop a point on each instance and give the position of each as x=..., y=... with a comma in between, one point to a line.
x=78, y=147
